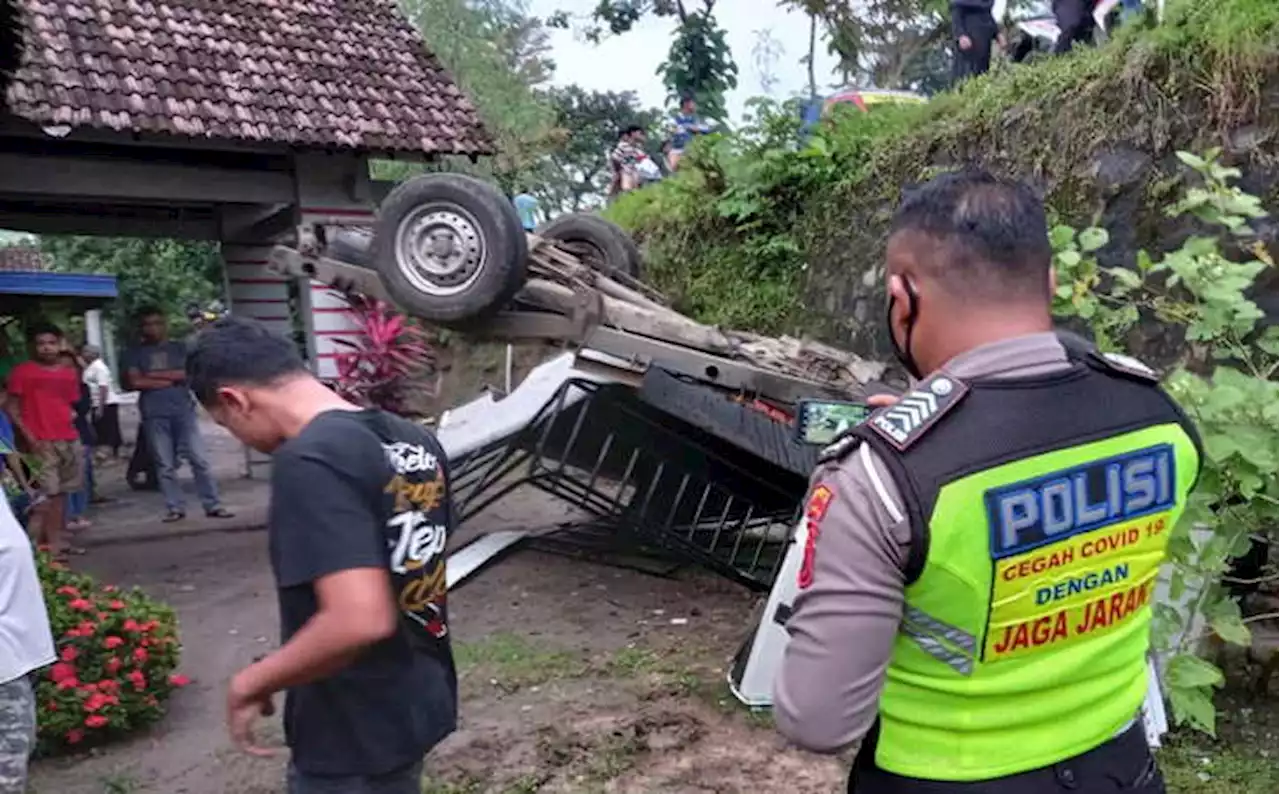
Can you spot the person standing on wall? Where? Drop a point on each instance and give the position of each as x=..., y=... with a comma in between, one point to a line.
x=1075, y=24
x=685, y=125
x=106, y=401
x=26, y=645
x=156, y=369
x=42, y=394
x=359, y=517
x=975, y=26
x=975, y=607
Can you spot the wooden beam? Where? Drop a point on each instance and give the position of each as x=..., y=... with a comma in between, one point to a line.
x=117, y=179
x=190, y=227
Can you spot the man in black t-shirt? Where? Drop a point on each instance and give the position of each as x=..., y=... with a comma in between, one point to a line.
x=359, y=516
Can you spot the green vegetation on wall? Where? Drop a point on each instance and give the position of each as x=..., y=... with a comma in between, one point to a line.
x=761, y=231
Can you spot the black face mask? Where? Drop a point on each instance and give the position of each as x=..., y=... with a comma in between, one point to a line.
x=903, y=353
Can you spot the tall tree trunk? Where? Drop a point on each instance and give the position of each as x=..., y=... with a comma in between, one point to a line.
x=813, y=45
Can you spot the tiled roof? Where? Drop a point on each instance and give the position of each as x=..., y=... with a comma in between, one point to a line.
x=346, y=73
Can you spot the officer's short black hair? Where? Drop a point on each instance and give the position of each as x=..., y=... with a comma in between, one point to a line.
x=991, y=233
x=630, y=128
x=235, y=351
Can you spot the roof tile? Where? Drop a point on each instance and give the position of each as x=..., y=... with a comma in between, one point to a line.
x=347, y=73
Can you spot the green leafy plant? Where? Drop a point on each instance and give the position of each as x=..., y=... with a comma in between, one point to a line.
x=117, y=652
x=388, y=356
x=1225, y=379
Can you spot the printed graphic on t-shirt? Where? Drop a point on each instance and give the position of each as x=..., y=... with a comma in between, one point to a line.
x=417, y=532
x=1076, y=552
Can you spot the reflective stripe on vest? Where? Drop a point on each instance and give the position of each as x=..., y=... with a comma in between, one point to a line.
x=945, y=643
x=1024, y=639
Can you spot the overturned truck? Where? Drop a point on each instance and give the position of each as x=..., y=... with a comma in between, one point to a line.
x=668, y=435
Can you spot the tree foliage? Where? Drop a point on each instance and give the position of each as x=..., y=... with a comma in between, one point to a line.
x=901, y=44
x=699, y=63
x=498, y=55
x=167, y=274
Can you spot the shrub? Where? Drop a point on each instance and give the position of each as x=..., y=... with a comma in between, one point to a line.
x=387, y=358
x=764, y=231
x=1225, y=378
x=117, y=651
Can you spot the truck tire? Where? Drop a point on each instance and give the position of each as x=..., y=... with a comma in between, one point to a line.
x=599, y=243
x=449, y=248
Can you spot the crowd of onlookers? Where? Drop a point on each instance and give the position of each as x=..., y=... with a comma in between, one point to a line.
x=976, y=27
x=60, y=422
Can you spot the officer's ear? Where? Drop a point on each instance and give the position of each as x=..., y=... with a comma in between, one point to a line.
x=1053, y=282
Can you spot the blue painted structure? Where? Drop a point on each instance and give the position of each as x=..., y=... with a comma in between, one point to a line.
x=89, y=287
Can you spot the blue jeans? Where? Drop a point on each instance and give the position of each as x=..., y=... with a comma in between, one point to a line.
x=173, y=438
x=406, y=780
x=78, y=502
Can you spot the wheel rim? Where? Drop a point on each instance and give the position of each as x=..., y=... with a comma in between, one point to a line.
x=440, y=249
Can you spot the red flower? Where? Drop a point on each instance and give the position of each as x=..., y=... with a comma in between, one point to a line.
x=132, y=625
x=179, y=680
x=87, y=628
x=95, y=720
x=75, y=736
x=96, y=701
x=67, y=683
x=69, y=654
x=81, y=605
x=111, y=643
x=147, y=642
x=102, y=616
x=110, y=588
x=90, y=687
x=52, y=705
x=68, y=590
x=138, y=680
x=140, y=655
x=116, y=604
x=108, y=685
x=150, y=625
x=62, y=671
x=114, y=664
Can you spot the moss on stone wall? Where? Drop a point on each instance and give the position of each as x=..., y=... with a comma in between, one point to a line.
x=760, y=233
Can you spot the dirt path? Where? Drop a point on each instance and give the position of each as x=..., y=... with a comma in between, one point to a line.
x=575, y=678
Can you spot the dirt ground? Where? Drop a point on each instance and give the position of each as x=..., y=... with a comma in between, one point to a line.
x=576, y=677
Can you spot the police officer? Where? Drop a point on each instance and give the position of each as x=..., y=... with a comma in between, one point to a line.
x=976, y=606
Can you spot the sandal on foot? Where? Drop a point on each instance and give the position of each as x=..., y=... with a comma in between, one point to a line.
x=174, y=515
x=219, y=512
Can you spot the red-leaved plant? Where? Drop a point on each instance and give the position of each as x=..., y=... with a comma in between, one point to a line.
x=117, y=650
x=380, y=366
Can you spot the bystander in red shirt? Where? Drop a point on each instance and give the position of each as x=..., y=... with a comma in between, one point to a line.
x=45, y=399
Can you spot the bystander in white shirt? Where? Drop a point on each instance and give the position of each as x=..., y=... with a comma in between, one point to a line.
x=97, y=376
